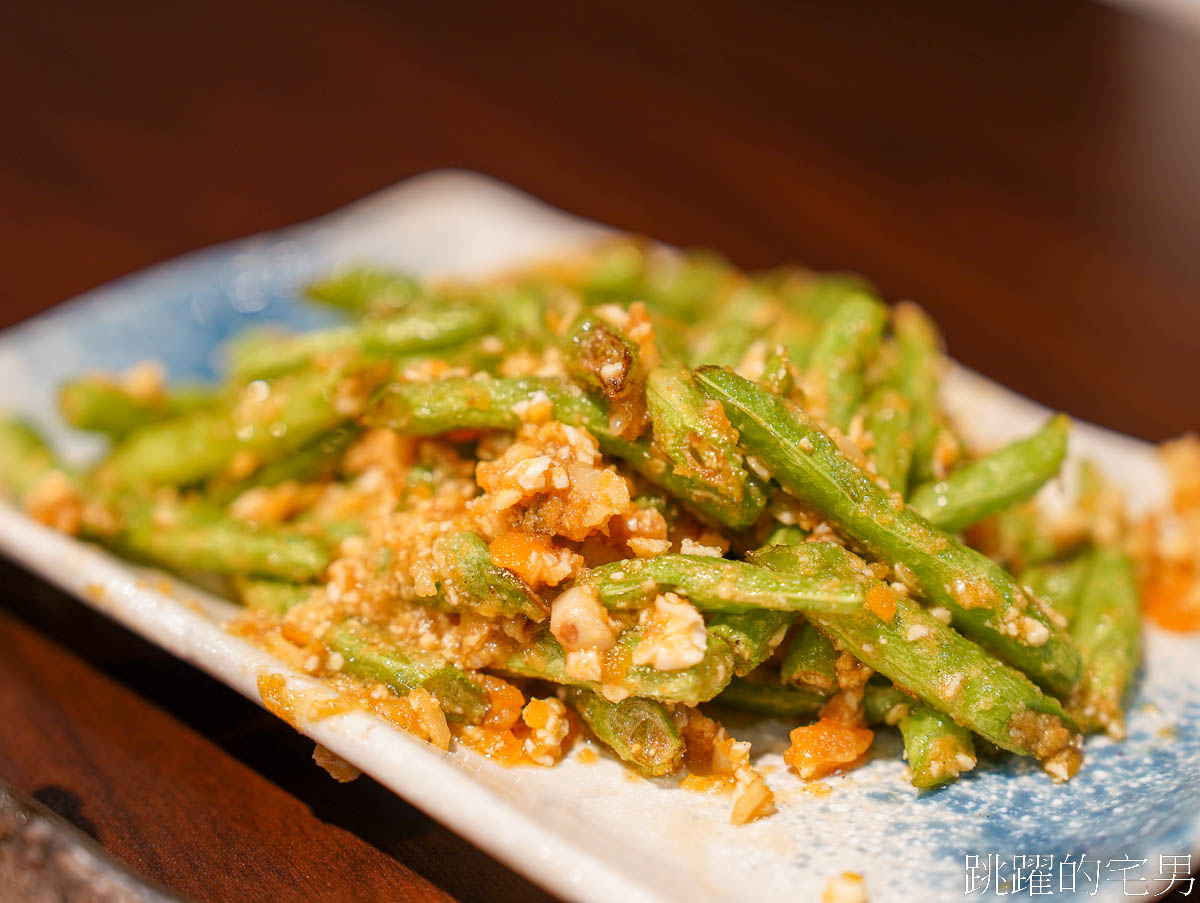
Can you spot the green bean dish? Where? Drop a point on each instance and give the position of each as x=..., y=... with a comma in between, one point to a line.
x=612, y=498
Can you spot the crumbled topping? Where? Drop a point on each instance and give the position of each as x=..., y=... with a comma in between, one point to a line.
x=719, y=762
x=579, y=621
x=145, y=381
x=691, y=547
x=537, y=408
x=274, y=504
x=548, y=729
x=848, y=887
x=56, y=502
x=555, y=473
x=334, y=765
x=674, y=637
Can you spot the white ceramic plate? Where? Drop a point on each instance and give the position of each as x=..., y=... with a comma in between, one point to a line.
x=590, y=832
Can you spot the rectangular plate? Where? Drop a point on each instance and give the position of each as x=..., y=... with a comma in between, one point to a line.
x=591, y=832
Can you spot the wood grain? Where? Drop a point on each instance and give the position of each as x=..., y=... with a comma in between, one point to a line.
x=227, y=807
x=1025, y=170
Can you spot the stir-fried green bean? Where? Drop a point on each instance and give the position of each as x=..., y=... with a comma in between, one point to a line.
x=1106, y=629
x=639, y=731
x=920, y=361
x=1007, y=476
x=937, y=749
x=371, y=654
x=274, y=596
x=837, y=367
x=364, y=290
x=987, y=604
x=181, y=540
x=946, y=671
x=752, y=635
x=266, y=355
x=771, y=699
x=810, y=662
x=721, y=585
x=885, y=704
x=691, y=430
x=1059, y=584
x=471, y=580
x=312, y=462
x=101, y=405
x=267, y=422
x=606, y=360
x=889, y=423
x=25, y=458
x=356, y=480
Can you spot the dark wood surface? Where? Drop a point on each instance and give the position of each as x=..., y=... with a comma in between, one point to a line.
x=1027, y=171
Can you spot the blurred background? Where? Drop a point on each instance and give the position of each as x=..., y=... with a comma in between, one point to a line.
x=1028, y=171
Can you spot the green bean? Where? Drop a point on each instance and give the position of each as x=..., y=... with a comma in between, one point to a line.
x=25, y=458
x=312, y=462
x=919, y=366
x=785, y=535
x=1106, y=629
x=836, y=371
x=545, y=659
x=770, y=699
x=888, y=422
x=100, y=405
x=1007, y=476
x=469, y=579
x=692, y=431
x=987, y=604
x=817, y=296
x=605, y=359
x=1059, y=584
x=779, y=374
x=521, y=314
x=1017, y=537
x=937, y=749
x=261, y=355
x=668, y=281
x=267, y=422
x=944, y=670
x=427, y=409
x=373, y=655
x=190, y=541
x=935, y=453
x=639, y=731
x=334, y=531
x=745, y=315
x=273, y=596
x=615, y=271
x=753, y=636
x=365, y=291
x=885, y=704
x=805, y=302
x=810, y=662
x=720, y=585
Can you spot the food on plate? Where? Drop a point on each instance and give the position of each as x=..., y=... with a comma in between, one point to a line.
x=618, y=495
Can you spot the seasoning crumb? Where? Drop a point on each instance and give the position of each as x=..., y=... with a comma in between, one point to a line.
x=848, y=887
x=337, y=767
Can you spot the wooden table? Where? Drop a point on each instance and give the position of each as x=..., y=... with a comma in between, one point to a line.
x=1027, y=171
